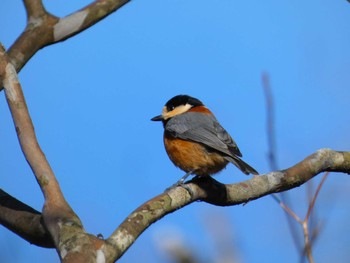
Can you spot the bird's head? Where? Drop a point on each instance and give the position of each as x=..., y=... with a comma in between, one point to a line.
x=177, y=105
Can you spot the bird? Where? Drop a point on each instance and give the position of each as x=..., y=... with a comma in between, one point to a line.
x=195, y=141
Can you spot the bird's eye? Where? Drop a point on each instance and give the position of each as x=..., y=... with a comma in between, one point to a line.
x=170, y=108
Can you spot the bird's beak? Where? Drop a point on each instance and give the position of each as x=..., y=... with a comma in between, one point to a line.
x=157, y=118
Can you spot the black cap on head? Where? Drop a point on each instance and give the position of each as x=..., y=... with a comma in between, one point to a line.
x=182, y=100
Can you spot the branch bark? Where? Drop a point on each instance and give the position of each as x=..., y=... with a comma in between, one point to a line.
x=63, y=225
x=209, y=190
x=24, y=221
x=44, y=29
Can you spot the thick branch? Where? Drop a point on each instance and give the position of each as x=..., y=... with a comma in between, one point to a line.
x=23, y=221
x=26, y=135
x=34, y=8
x=274, y=182
x=210, y=191
x=59, y=219
x=85, y=18
x=44, y=29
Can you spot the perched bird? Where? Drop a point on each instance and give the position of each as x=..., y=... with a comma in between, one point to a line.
x=195, y=141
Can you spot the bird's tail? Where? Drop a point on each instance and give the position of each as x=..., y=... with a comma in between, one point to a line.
x=243, y=166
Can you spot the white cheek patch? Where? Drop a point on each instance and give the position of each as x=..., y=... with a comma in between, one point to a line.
x=164, y=112
x=177, y=111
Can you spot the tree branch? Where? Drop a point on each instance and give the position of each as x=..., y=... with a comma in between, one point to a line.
x=85, y=18
x=209, y=190
x=34, y=9
x=44, y=29
x=26, y=135
x=23, y=221
x=60, y=220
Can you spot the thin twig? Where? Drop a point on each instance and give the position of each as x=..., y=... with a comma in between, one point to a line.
x=272, y=153
x=313, y=201
x=306, y=222
x=308, y=248
x=289, y=211
x=270, y=122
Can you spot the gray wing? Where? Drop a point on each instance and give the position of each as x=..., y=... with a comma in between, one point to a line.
x=204, y=129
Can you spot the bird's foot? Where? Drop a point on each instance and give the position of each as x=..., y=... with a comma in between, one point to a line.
x=181, y=183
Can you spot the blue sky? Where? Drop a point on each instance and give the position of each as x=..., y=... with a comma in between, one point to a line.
x=91, y=99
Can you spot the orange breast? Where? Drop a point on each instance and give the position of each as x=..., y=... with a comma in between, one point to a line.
x=192, y=156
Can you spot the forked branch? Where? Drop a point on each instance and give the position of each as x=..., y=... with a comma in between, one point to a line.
x=44, y=29
x=59, y=219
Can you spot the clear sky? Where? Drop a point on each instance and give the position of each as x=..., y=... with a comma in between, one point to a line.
x=91, y=99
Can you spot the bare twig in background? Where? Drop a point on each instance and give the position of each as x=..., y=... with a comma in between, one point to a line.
x=315, y=229
x=313, y=201
x=308, y=225
x=272, y=153
x=270, y=122
x=308, y=241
